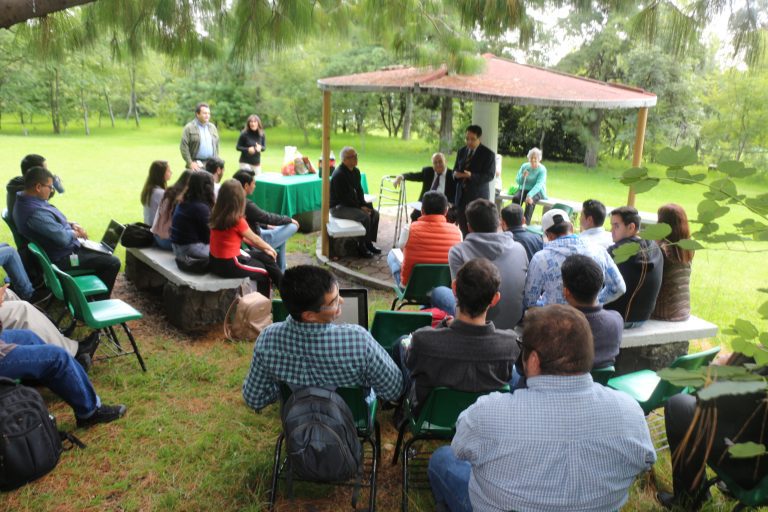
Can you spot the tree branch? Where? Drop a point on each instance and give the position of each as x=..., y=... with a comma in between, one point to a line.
x=17, y=11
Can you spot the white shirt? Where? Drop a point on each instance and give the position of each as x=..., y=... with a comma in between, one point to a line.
x=597, y=236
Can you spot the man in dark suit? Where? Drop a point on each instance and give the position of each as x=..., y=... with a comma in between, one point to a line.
x=475, y=167
x=437, y=177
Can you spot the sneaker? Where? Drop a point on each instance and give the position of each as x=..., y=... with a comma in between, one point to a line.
x=85, y=361
x=89, y=344
x=104, y=414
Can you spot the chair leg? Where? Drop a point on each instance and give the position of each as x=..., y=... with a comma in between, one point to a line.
x=399, y=443
x=375, y=456
x=406, y=447
x=275, y=472
x=394, y=303
x=113, y=334
x=134, y=345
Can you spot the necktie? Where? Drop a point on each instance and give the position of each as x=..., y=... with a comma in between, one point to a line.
x=435, y=182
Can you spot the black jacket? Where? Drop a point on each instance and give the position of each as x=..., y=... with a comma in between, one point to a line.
x=346, y=188
x=482, y=165
x=642, y=275
x=256, y=217
x=427, y=176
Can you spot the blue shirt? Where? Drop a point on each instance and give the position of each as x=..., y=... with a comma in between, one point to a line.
x=544, y=283
x=563, y=444
x=205, y=151
x=310, y=354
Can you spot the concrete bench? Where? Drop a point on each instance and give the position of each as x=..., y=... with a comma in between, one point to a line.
x=344, y=237
x=655, y=344
x=190, y=301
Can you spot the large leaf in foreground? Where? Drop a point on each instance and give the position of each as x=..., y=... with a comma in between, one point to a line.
x=746, y=450
x=728, y=388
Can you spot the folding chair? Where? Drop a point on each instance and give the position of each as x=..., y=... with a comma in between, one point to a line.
x=436, y=421
x=279, y=313
x=424, y=277
x=102, y=316
x=368, y=430
x=389, y=326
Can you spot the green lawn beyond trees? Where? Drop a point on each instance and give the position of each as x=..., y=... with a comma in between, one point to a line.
x=188, y=441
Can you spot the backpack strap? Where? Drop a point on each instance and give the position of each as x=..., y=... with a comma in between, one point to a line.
x=72, y=441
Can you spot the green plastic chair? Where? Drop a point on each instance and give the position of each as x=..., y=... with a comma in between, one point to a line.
x=101, y=316
x=279, y=313
x=388, y=326
x=436, y=421
x=368, y=430
x=88, y=284
x=603, y=375
x=424, y=277
x=650, y=391
x=755, y=497
x=19, y=240
x=567, y=209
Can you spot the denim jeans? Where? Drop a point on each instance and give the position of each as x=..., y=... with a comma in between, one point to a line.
x=633, y=325
x=163, y=243
x=443, y=298
x=394, y=267
x=449, y=479
x=196, y=250
x=32, y=359
x=277, y=238
x=11, y=262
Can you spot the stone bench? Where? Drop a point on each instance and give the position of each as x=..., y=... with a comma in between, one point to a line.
x=344, y=237
x=190, y=301
x=655, y=344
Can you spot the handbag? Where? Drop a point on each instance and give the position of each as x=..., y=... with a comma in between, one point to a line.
x=253, y=313
x=137, y=235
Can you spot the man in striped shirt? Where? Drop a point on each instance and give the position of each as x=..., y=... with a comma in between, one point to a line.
x=308, y=349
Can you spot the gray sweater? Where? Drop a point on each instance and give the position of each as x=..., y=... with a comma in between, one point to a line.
x=511, y=260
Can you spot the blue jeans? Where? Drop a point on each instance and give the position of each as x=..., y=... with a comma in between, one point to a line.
x=633, y=325
x=32, y=359
x=195, y=250
x=449, y=479
x=11, y=262
x=163, y=243
x=277, y=238
x=394, y=267
x=443, y=298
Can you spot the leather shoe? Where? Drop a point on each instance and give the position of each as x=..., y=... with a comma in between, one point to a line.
x=372, y=248
x=365, y=253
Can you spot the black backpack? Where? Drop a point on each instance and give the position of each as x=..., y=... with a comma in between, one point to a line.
x=137, y=235
x=320, y=436
x=30, y=443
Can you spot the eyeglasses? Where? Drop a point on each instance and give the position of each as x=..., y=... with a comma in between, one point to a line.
x=50, y=187
x=354, y=155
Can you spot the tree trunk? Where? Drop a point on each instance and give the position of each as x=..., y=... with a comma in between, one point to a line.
x=133, y=107
x=109, y=107
x=593, y=144
x=23, y=126
x=54, y=102
x=446, y=124
x=541, y=140
x=408, y=116
x=84, y=106
x=386, y=119
x=16, y=11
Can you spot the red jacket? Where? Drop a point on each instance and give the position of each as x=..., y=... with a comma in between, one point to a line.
x=429, y=240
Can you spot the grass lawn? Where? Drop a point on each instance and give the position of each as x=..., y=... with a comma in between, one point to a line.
x=188, y=442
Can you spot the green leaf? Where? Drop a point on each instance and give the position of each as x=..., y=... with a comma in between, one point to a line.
x=682, y=377
x=679, y=176
x=644, y=185
x=707, y=229
x=722, y=189
x=719, y=372
x=746, y=450
x=745, y=328
x=743, y=346
x=710, y=210
x=635, y=173
x=763, y=339
x=698, y=177
x=656, y=231
x=726, y=387
x=689, y=245
x=730, y=166
x=677, y=158
x=758, y=204
x=760, y=355
x=763, y=310
x=624, y=252
x=726, y=237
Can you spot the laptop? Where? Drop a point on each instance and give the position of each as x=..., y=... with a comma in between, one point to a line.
x=355, y=308
x=109, y=240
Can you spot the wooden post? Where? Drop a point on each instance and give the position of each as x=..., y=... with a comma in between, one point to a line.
x=326, y=185
x=637, y=154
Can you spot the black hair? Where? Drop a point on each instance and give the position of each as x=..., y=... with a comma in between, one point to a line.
x=213, y=164
x=244, y=177
x=37, y=175
x=512, y=215
x=477, y=282
x=200, y=106
x=434, y=202
x=303, y=288
x=200, y=189
x=475, y=129
x=583, y=277
x=595, y=209
x=31, y=161
x=482, y=216
x=628, y=214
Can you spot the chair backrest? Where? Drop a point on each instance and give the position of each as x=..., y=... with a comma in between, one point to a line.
x=602, y=375
x=279, y=313
x=49, y=276
x=567, y=209
x=665, y=389
x=363, y=414
x=20, y=241
x=77, y=302
x=388, y=326
x=424, y=277
x=441, y=410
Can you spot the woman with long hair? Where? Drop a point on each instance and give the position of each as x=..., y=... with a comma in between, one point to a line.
x=190, y=234
x=161, y=226
x=674, y=300
x=154, y=188
x=251, y=144
x=228, y=231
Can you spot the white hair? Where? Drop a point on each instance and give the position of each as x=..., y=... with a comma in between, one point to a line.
x=438, y=154
x=535, y=151
x=344, y=151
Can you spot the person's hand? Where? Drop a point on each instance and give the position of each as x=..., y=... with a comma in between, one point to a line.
x=193, y=166
x=525, y=174
x=271, y=252
x=529, y=200
x=258, y=147
x=366, y=209
x=2, y=293
x=399, y=180
x=79, y=231
x=295, y=222
x=252, y=150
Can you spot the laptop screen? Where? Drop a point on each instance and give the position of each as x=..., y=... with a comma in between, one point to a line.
x=355, y=308
x=112, y=234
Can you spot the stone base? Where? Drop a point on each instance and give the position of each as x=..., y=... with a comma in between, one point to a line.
x=343, y=247
x=649, y=357
x=308, y=221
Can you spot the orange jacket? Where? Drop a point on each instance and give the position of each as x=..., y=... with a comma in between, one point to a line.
x=429, y=240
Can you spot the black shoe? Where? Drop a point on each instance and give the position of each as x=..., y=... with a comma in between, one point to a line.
x=372, y=248
x=89, y=345
x=104, y=414
x=85, y=361
x=365, y=253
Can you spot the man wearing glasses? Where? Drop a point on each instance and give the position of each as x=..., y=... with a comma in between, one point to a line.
x=39, y=221
x=564, y=443
x=348, y=201
x=307, y=349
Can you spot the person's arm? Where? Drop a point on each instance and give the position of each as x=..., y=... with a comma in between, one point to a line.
x=256, y=241
x=614, y=286
x=263, y=143
x=184, y=146
x=455, y=261
x=45, y=226
x=410, y=176
x=383, y=375
x=259, y=390
x=533, y=284
x=256, y=214
x=242, y=143
x=467, y=442
x=486, y=172
x=541, y=180
x=214, y=138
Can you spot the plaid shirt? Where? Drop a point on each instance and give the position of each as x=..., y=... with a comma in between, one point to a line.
x=563, y=444
x=309, y=354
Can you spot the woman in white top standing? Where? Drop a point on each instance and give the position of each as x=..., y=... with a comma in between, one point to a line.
x=154, y=188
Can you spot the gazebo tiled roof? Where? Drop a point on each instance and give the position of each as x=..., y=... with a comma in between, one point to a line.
x=501, y=81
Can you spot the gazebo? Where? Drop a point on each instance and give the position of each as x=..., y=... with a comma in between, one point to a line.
x=501, y=81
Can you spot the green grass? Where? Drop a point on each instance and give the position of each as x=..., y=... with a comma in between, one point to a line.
x=188, y=442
